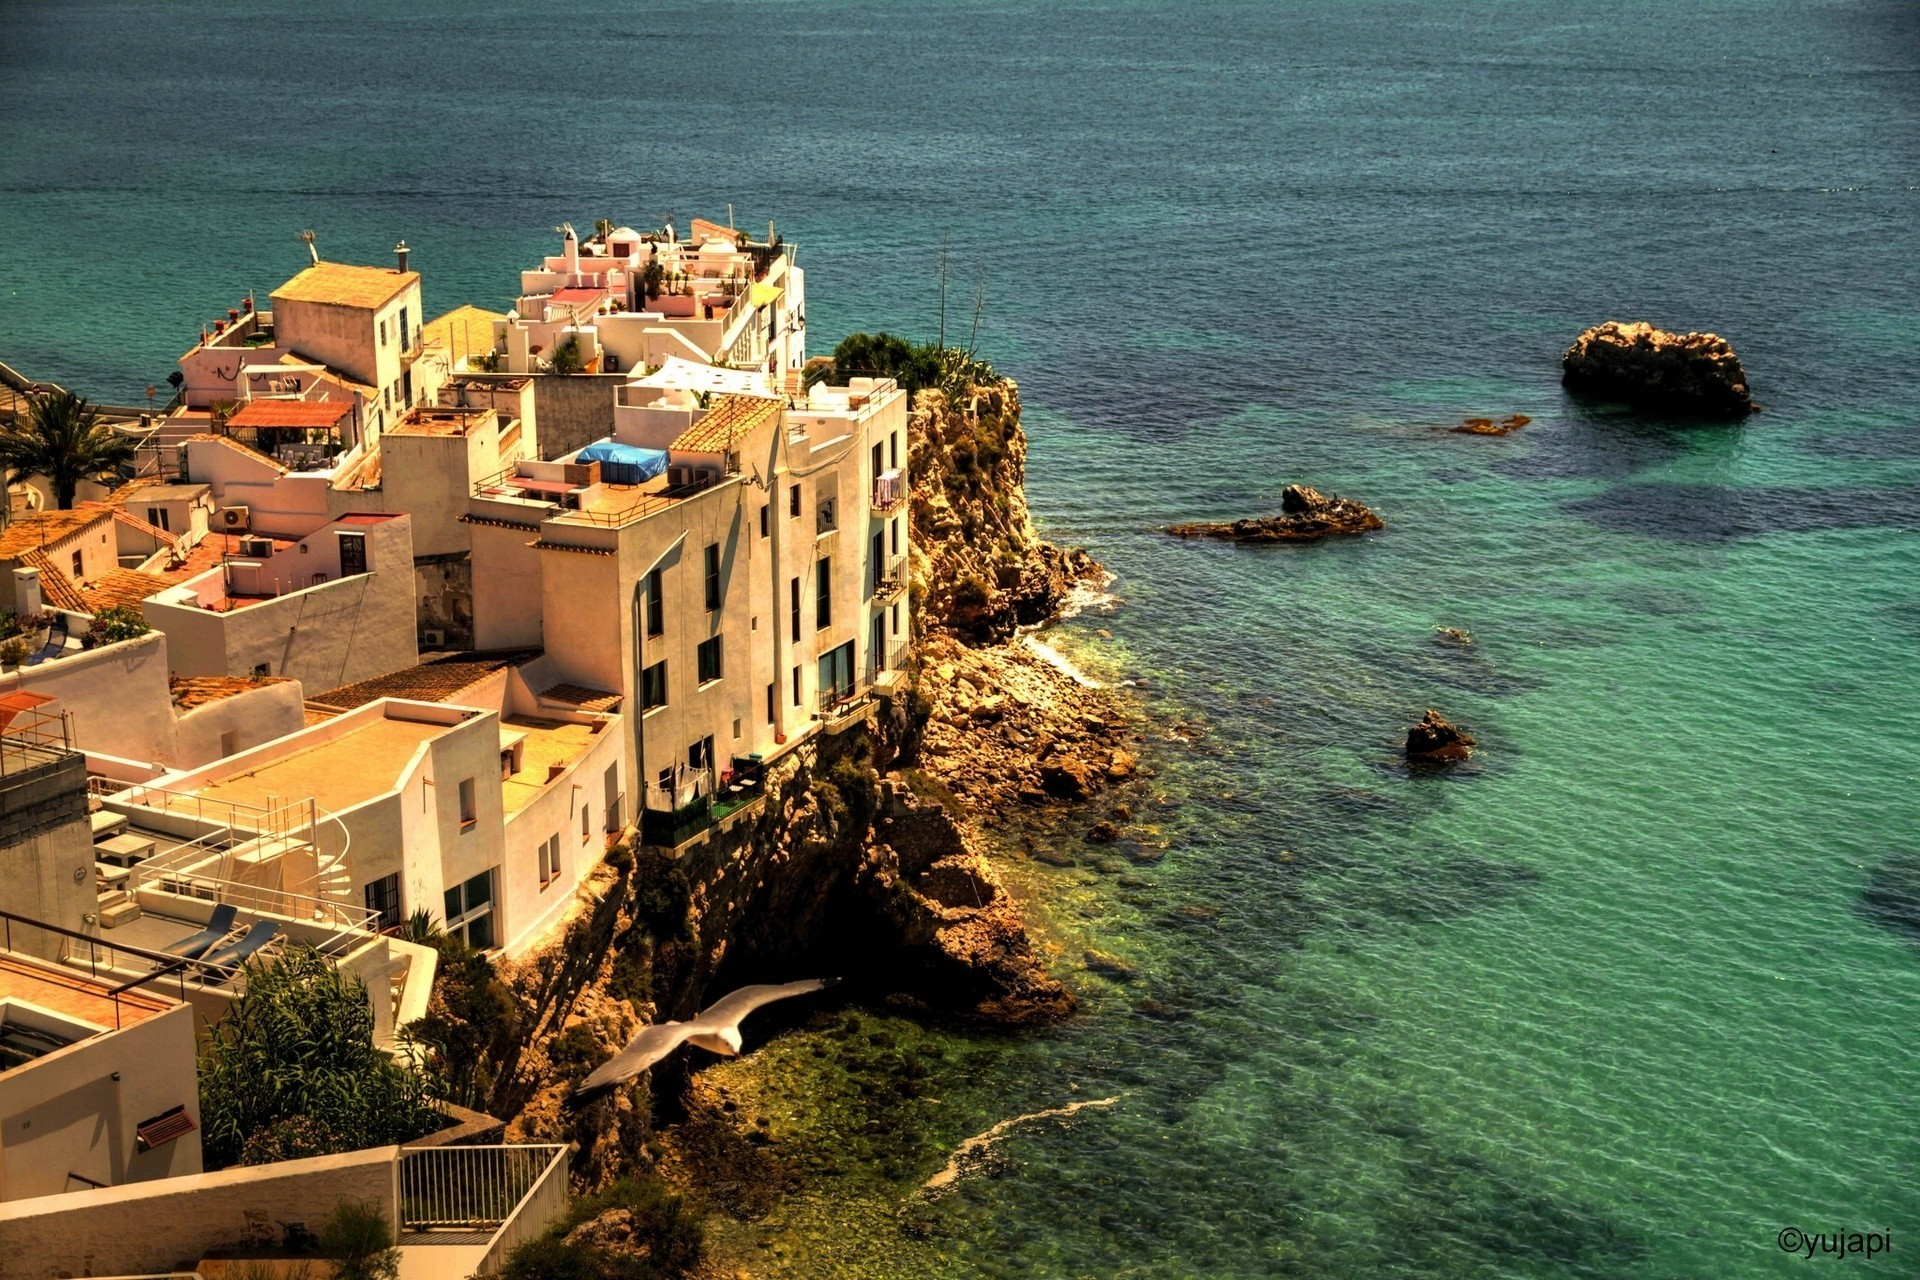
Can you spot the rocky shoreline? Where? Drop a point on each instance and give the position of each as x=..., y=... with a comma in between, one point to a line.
x=865, y=859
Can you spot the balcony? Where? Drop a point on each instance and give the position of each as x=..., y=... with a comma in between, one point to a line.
x=839, y=705
x=671, y=817
x=889, y=491
x=890, y=578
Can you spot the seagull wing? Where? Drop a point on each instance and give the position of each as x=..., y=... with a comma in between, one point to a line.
x=647, y=1047
x=729, y=1009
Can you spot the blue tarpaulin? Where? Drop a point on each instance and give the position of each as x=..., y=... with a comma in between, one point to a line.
x=625, y=463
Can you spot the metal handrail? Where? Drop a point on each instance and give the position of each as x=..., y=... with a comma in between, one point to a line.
x=470, y=1188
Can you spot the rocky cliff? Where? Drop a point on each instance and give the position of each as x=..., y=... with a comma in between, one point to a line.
x=852, y=865
x=979, y=568
x=1691, y=373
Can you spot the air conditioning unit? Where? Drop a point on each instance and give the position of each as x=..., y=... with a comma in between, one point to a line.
x=679, y=477
x=430, y=639
x=237, y=519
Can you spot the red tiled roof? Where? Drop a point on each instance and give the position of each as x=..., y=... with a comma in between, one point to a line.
x=574, y=296
x=196, y=691
x=433, y=681
x=40, y=529
x=56, y=588
x=291, y=413
x=127, y=587
x=210, y=551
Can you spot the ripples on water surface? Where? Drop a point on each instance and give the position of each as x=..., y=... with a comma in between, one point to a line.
x=1624, y=998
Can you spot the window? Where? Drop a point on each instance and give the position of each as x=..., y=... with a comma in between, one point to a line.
x=794, y=593
x=157, y=517
x=586, y=822
x=700, y=754
x=469, y=911
x=766, y=519
x=708, y=656
x=823, y=593
x=383, y=899
x=736, y=727
x=893, y=451
x=773, y=692
x=656, y=606
x=827, y=519
x=404, y=344
x=653, y=686
x=877, y=467
x=895, y=527
x=469, y=807
x=79, y=567
x=894, y=619
x=353, y=553
x=793, y=502
x=796, y=686
x=261, y=669
x=665, y=783
x=549, y=860
x=713, y=575
x=383, y=333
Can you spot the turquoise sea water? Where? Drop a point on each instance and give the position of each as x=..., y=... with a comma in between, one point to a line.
x=1605, y=1003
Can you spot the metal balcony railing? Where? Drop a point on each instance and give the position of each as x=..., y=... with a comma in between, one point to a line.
x=472, y=1188
x=890, y=578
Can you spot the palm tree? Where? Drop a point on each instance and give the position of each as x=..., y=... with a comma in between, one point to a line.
x=64, y=440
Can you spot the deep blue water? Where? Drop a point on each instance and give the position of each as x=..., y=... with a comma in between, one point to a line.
x=1608, y=1003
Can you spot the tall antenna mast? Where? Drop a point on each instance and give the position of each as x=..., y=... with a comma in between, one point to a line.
x=307, y=238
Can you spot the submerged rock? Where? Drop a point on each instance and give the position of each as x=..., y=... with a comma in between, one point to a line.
x=1305, y=513
x=1488, y=427
x=1435, y=741
x=1691, y=373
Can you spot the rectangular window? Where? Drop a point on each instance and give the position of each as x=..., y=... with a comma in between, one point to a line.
x=469, y=911
x=794, y=593
x=827, y=518
x=893, y=451
x=404, y=344
x=700, y=754
x=773, y=692
x=353, y=554
x=713, y=575
x=877, y=467
x=383, y=899
x=895, y=527
x=262, y=669
x=656, y=606
x=793, y=502
x=79, y=567
x=383, y=333
x=469, y=806
x=796, y=686
x=766, y=519
x=157, y=517
x=708, y=656
x=665, y=783
x=653, y=686
x=549, y=860
x=586, y=822
x=823, y=593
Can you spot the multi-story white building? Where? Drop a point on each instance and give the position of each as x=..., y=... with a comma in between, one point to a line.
x=626, y=302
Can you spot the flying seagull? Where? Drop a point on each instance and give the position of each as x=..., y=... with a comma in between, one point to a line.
x=715, y=1028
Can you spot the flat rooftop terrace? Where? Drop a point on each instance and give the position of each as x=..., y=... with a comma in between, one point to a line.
x=547, y=747
x=73, y=995
x=338, y=774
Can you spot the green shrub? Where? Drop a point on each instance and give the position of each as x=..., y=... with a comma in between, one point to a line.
x=971, y=591
x=119, y=622
x=358, y=1240
x=14, y=651
x=298, y=1045
x=661, y=1239
x=470, y=1019
x=566, y=357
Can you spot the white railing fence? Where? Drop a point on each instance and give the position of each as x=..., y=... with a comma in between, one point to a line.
x=471, y=1188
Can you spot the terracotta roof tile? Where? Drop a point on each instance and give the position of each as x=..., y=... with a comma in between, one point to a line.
x=42, y=528
x=575, y=695
x=731, y=418
x=314, y=414
x=197, y=691
x=126, y=587
x=432, y=681
x=346, y=285
x=56, y=588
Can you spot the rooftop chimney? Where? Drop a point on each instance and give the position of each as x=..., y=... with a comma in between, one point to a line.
x=400, y=255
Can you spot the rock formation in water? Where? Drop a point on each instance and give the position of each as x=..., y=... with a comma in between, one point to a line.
x=1435, y=741
x=1488, y=427
x=1689, y=373
x=1305, y=513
